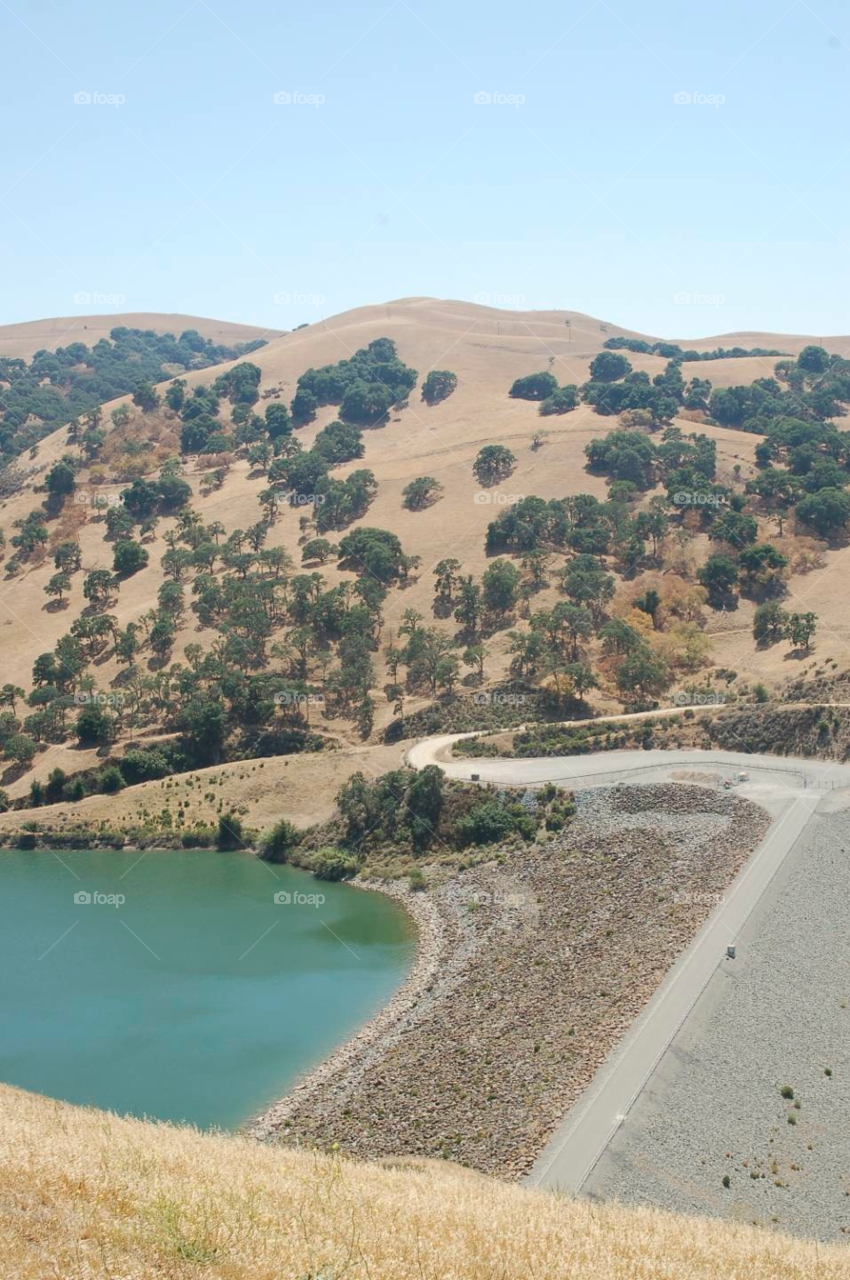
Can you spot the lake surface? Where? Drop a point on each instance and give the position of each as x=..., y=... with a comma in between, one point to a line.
x=199, y=998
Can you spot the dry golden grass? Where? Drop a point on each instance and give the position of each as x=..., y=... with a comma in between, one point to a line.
x=301, y=788
x=487, y=348
x=26, y=338
x=87, y=1195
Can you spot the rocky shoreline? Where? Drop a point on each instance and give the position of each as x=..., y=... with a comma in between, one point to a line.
x=529, y=969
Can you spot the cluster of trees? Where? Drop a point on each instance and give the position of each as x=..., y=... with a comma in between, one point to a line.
x=543, y=387
x=816, y=387
x=614, y=387
x=285, y=639
x=277, y=632
x=581, y=524
x=58, y=386
x=773, y=623
x=438, y=385
x=555, y=647
x=203, y=431
x=365, y=387
x=302, y=479
x=296, y=475
x=418, y=812
x=682, y=463
x=672, y=350
x=812, y=388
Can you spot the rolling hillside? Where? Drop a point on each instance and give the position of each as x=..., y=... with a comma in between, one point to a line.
x=24, y=339
x=487, y=349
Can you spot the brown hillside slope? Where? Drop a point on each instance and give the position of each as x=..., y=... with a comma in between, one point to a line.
x=27, y=337
x=85, y=1196
x=301, y=788
x=487, y=348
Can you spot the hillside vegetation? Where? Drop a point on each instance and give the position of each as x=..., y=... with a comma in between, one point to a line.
x=89, y=1196
x=420, y=514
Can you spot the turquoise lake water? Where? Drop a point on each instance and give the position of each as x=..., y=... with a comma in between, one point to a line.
x=199, y=998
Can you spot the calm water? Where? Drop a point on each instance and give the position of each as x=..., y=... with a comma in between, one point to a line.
x=199, y=998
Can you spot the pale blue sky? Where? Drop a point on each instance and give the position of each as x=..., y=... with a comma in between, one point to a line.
x=598, y=192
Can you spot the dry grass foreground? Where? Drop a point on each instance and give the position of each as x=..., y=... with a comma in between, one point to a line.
x=87, y=1195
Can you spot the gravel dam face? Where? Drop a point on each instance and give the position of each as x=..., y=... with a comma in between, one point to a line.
x=547, y=956
x=775, y=1021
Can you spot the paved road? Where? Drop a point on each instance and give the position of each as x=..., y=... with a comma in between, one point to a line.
x=789, y=788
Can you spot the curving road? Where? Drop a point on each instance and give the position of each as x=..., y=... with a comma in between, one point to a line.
x=790, y=789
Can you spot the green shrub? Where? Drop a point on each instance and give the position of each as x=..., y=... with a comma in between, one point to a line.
x=439, y=384
x=492, y=822
x=333, y=864
x=276, y=843
x=229, y=834
x=199, y=838
x=111, y=780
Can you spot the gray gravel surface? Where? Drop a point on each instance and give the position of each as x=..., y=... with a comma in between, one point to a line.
x=778, y=1015
x=542, y=959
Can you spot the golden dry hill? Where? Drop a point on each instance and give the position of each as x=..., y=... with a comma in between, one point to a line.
x=85, y=1195
x=487, y=349
x=24, y=339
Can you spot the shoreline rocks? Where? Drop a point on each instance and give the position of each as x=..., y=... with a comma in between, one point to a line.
x=530, y=968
